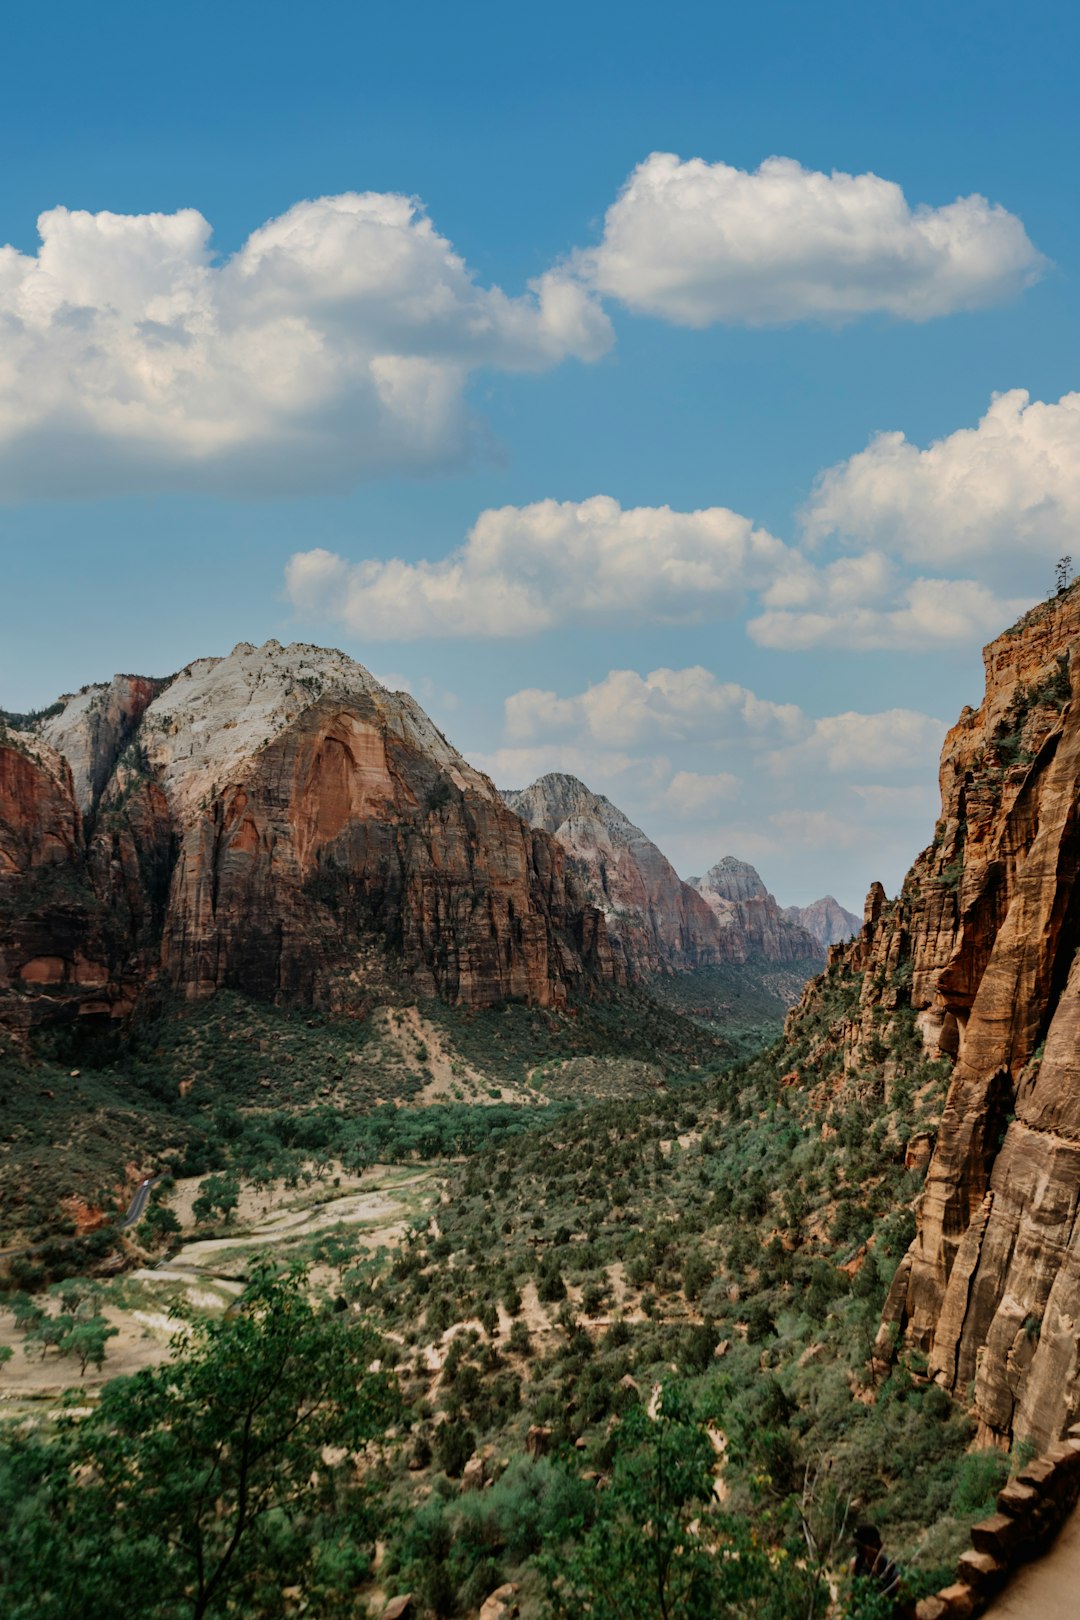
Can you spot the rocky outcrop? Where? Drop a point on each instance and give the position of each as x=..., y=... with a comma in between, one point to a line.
x=982, y=945
x=749, y=918
x=93, y=729
x=55, y=941
x=279, y=823
x=828, y=921
x=659, y=923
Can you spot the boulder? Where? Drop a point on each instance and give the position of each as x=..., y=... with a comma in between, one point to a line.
x=399, y=1607
x=538, y=1440
x=501, y=1605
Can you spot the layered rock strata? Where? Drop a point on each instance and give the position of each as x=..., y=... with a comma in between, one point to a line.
x=982, y=943
x=749, y=918
x=260, y=822
x=828, y=921
x=658, y=922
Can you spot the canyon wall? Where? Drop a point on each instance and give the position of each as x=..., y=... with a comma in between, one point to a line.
x=982, y=944
x=279, y=823
x=655, y=920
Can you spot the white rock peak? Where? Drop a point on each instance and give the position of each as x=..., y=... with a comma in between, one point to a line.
x=218, y=712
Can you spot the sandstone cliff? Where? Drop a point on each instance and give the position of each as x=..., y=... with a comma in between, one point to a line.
x=266, y=822
x=749, y=917
x=982, y=944
x=658, y=922
x=828, y=921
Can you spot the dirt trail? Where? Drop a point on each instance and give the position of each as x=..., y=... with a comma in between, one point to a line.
x=1048, y=1589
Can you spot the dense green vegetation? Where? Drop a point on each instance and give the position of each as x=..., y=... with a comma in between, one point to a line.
x=735, y=1233
x=207, y=1487
x=744, y=1001
x=618, y=1300
x=231, y=1082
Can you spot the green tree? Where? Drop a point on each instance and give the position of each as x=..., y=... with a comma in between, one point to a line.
x=204, y=1486
x=6, y=1354
x=159, y=1224
x=49, y=1332
x=86, y=1341
x=659, y=1547
x=220, y=1193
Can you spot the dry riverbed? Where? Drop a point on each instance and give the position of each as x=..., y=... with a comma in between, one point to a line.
x=206, y=1271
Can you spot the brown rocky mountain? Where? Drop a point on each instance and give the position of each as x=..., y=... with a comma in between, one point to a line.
x=266, y=822
x=749, y=918
x=828, y=921
x=983, y=944
x=658, y=922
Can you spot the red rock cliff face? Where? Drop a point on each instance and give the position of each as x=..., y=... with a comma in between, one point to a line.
x=266, y=822
x=657, y=922
x=983, y=943
x=340, y=831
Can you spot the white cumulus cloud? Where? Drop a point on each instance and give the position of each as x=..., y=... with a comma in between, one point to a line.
x=863, y=604
x=1003, y=493
x=525, y=569
x=669, y=705
x=693, y=794
x=858, y=744
x=696, y=242
x=336, y=342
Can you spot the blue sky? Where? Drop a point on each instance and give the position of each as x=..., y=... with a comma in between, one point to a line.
x=149, y=540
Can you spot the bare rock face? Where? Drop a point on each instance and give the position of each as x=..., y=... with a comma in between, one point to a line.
x=261, y=822
x=982, y=944
x=750, y=918
x=54, y=946
x=656, y=921
x=94, y=728
x=828, y=921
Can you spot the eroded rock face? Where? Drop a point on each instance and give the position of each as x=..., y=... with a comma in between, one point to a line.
x=344, y=827
x=828, y=921
x=982, y=943
x=658, y=922
x=264, y=822
x=54, y=949
x=95, y=727
x=749, y=918
x=655, y=920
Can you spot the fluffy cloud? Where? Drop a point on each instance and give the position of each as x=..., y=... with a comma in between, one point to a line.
x=697, y=242
x=524, y=569
x=670, y=705
x=863, y=604
x=337, y=341
x=791, y=783
x=817, y=829
x=997, y=493
x=855, y=744
x=692, y=794
x=517, y=767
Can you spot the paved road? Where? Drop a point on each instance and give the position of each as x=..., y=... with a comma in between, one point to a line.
x=138, y=1204
x=1048, y=1589
x=135, y=1211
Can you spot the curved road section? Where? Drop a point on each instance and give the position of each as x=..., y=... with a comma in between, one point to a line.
x=137, y=1207
x=135, y=1212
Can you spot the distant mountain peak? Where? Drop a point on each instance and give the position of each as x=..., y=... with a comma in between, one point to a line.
x=732, y=879
x=826, y=919
x=660, y=922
